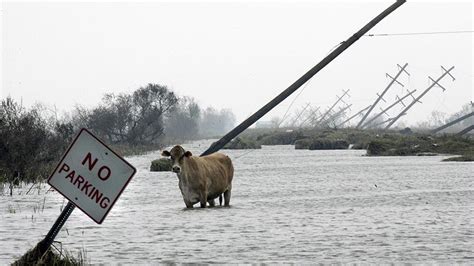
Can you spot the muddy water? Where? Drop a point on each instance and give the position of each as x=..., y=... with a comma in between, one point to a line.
x=287, y=206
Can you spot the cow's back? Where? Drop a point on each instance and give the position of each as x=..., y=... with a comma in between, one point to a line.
x=219, y=171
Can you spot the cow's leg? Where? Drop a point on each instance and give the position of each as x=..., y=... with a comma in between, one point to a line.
x=227, y=197
x=220, y=200
x=203, y=199
x=189, y=205
x=212, y=203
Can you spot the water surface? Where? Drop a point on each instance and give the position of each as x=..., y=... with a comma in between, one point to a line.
x=287, y=205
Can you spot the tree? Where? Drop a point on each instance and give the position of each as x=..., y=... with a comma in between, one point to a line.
x=135, y=118
x=183, y=122
x=215, y=123
x=25, y=150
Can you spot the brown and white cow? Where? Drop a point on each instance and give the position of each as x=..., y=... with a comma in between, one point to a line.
x=202, y=179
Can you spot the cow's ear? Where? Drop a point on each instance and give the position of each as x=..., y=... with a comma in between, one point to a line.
x=165, y=153
x=188, y=154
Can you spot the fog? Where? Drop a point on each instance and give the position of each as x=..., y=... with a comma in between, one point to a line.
x=235, y=55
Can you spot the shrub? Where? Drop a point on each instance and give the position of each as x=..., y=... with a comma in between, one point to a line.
x=161, y=165
x=242, y=144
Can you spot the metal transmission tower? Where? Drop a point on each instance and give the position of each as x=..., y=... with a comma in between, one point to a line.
x=452, y=122
x=393, y=80
x=384, y=111
x=435, y=82
x=350, y=118
x=321, y=119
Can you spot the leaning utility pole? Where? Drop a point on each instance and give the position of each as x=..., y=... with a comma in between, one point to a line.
x=466, y=130
x=350, y=118
x=394, y=79
x=333, y=117
x=435, y=82
x=434, y=131
x=299, y=115
x=312, y=115
x=381, y=123
x=321, y=119
x=302, y=80
x=386, y=109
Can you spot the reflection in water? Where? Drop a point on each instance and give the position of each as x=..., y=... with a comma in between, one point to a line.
x=287, y=206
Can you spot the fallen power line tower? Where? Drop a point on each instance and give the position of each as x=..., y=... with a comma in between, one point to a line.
x=435, y=83
x=455, y=121
x=380, y=97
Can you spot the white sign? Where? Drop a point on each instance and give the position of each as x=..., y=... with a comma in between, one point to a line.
x=91, y=175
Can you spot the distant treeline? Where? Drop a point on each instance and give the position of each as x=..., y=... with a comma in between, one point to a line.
x=33, y=139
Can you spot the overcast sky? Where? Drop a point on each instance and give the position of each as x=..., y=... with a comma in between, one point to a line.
x=235, y=55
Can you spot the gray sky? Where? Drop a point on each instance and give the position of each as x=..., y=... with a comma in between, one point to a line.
x=236, y=55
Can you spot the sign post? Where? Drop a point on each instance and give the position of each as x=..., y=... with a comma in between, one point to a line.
x=92, y=177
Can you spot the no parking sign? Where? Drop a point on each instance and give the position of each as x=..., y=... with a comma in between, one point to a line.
x=91, y=175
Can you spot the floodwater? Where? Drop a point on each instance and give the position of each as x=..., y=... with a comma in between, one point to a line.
x=287, y=205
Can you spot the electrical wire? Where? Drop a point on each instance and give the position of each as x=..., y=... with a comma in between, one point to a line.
x=417, y=33
x=304, y=87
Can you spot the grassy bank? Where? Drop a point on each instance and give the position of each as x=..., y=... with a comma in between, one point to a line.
x=466, y=157
x=393, y=145
x=242, y=144
x=376, y=142
x=308, y=138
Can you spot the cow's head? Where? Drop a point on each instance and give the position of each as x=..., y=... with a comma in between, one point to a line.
x=177, y=155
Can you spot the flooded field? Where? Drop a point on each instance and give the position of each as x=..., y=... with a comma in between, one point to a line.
x=287, y=205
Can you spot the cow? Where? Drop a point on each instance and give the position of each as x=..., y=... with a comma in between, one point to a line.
x=202, y=179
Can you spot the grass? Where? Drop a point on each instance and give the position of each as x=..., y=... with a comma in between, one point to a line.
x=376, y=142
x=58, y=257
x=401, y=145
x=314, y=139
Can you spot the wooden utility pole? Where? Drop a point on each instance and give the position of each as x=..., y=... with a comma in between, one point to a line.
x=321, y=119
x=435, y=82
x=386, y=109
x=299, y=115
x=380, y=97
x=466, y=130
x=434, y=131
x=302, y=80
x=350, y=118
x=312, y=115
x=381, y=123
x=333, y=117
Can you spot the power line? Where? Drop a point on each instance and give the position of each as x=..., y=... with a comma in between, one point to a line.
x=418, y=33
